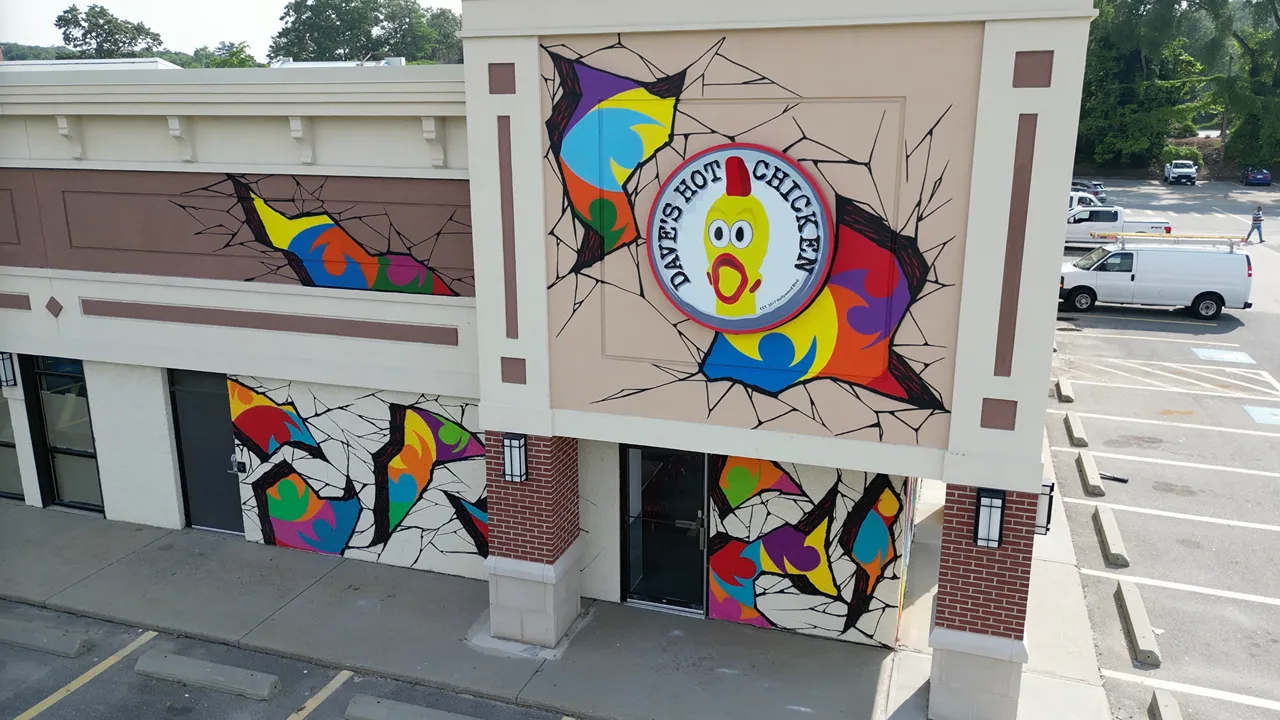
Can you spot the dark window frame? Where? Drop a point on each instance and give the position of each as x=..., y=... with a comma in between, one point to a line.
x=31, y=375
x=14, y=445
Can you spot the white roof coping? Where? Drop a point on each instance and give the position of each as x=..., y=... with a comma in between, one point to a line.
x=152, y=63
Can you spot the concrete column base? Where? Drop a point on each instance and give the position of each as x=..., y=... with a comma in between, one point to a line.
x=534, y=603
x=974, y=677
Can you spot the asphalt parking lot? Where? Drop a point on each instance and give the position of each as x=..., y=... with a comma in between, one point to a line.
x=1189, y=413
x=102, y=683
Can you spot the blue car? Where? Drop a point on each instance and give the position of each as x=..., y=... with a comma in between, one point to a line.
x=1255, y=176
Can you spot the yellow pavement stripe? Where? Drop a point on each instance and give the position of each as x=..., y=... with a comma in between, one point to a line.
x=321, y=696
x=93, y=672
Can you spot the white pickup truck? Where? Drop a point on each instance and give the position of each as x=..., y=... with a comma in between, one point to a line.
x=1109, y=219
x=1180, y=171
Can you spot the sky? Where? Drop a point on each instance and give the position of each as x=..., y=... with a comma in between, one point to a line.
x=183, y=24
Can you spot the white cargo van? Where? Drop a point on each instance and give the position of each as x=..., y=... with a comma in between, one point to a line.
x=1204, y=277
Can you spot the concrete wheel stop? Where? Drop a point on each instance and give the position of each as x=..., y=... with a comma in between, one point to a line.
x=368, y=707
x=1163, y=706
x=1113, y=548
x=32, y=636
x=1090, y=478
x=1142, y=637
x=211, y=676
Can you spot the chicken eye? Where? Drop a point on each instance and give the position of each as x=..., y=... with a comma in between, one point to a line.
x=718, y=233
x=741, y=233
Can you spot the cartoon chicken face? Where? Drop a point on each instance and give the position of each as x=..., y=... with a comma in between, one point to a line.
x=737, y=240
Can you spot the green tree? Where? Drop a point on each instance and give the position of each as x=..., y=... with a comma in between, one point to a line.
x=1141, y=82
x=232, y=55
x=404, y=32
x=96, y=33
x=327, y=30
x=359, y=29
x=18, y=51
x=445, y=24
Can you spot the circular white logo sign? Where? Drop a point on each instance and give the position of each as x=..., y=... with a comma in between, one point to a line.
x=740, y=238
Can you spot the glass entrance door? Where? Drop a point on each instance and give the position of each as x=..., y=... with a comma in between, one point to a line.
x=665, y=527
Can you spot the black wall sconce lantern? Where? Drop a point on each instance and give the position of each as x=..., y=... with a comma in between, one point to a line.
x=988, y=521
x=515, y=467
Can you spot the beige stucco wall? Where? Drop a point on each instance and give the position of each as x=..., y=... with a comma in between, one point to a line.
x=881, y=115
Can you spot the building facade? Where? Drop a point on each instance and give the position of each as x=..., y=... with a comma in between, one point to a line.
x=661, y=305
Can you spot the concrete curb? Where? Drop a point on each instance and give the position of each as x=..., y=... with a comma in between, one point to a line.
x=1109, y=532
x=212, y=676
x=1066, y=393
x=1163, y=706
x=1075, y=430
x=1138, y=624
x=42, y=638
x=367, y=707
x=1090, y=478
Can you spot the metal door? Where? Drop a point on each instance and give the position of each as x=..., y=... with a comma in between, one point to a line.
x=206, y=449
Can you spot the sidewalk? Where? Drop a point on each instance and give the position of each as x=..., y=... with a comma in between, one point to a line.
x=1061, y=681
x=622, y=663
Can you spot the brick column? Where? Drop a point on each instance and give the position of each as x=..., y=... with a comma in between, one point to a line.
x=533, y=573
x=980, y=611
x=984, y=590
x=536, y=520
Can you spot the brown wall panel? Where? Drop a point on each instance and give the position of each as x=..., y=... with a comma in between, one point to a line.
x=382, y=234
x=21, y=237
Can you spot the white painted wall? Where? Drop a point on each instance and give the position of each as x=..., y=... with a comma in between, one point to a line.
x=599, y=517
x=342, y=361
x=133, y=436
x=998, y=458
x=356, y=120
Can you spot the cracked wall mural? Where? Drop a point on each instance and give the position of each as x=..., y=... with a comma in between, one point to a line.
x=386, y=235
x=812, y=550
x=380, y=476
x=870, y=358
x=305, y=234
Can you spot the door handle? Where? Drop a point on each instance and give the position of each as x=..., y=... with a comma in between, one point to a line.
x=1132, y=276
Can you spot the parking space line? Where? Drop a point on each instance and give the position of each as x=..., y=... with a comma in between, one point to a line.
x=92, y=673
x=1178, y=515
x=1139, y=337
x=1229, y=594
x=1271, y=398
x=1179, y=463
x=1233, y=380
x=315, y=700
x=1193, y=690
x=1155, y=384
x=1162, y=373
x=1167, y=423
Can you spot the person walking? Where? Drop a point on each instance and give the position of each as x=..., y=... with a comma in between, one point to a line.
x=1256, y=227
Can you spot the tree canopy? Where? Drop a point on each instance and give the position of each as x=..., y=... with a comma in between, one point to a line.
x=1159, y=68
x=363, y=29
x=97, y=34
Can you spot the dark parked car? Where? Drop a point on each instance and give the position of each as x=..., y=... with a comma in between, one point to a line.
x=1255, y=176
x=1096, y=189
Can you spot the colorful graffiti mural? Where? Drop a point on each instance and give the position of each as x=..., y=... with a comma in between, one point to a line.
x=318, y=247
x=375, y=476
x=859, y=361
x=602, y=127
x=780, y=559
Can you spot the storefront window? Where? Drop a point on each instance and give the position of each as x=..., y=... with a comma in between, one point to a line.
x=10, y=480
x=68, y=433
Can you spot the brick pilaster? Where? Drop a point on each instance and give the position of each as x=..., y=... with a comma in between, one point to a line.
x=536, y=520
x=984, y=590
